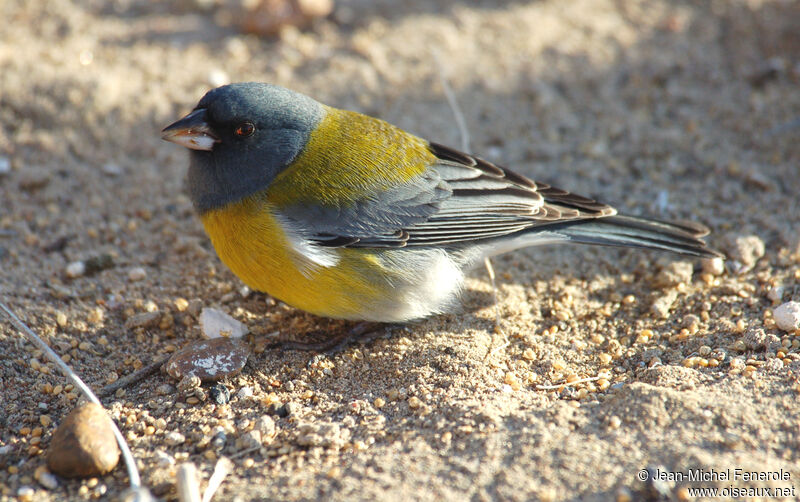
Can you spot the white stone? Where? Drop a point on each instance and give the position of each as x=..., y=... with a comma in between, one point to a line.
x=137, y=274
x=174, y=438
x=215, y=323
x=48, y=480
x=714, y=266
x=164, y=459
x=75, y=269
x=787, y=316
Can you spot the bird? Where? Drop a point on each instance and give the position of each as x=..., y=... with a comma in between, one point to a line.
x=346, y=216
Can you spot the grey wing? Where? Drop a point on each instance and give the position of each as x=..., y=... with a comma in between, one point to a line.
x=459, y=199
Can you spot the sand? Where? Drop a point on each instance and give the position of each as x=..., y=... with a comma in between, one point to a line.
x=677, y=110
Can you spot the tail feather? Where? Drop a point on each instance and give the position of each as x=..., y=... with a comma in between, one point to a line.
x=627, y=231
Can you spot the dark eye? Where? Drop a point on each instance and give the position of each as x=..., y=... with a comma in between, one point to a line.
x=245, y=129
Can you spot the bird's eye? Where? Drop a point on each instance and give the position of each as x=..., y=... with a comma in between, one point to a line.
x=245, y=129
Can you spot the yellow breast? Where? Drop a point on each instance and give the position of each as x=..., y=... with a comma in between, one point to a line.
x=251, y=241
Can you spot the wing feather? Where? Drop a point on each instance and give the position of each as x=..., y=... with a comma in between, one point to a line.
x=459, y=199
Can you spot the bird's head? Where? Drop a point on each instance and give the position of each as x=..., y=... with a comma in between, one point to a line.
x=241, y=136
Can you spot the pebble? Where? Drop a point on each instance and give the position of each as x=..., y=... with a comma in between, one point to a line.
x=714, y=266
x=143, y=320
x=269, y=17
x=164, y=459
x=219, y=394
x=746, y=250
x=289, y=409
x=137, y=274
x=245, y=392
x=266, y=425
x=84, y=444
x=34, y=179
x=174, y=438
x=677, y=272
x=219, y=438
x=25, y=493
x=75, y=269
x=209, y=360
x=662, y=305
x=775, y=293
x=787, y=316
x=250, y=439
x=45, y=478
x=112, y=169
x=325, y=434
x=655, y=488
x=215, y=323
x=755, y=338
x=5, y=165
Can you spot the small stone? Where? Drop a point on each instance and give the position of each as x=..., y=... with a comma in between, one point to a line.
x=98, y=263
x=75, y=269
x=112, y=169
x=325, y=434
x=624, y=494
x=164, y=459
x=174, y=438
x=245, y=392
x=250, y=439
x=34, y=178
x=270, y=17
x=677, y=272
x=209, y=360
x=215, y=323
x=136, y=274
x=755, y=178
x=25, y=493
x=194, y=306
x=61, y=319
x=84, y=444
x=143, y=320
x=663, y=304
x=775, y=293
x=745, y=249
x=755, y=338
x=219, y=394
x=414, y=402
x=787, y=316
x=266, y=425
x=181, y=304
x=655, y=488
x=45, y=478
x=289, y=409
x=5, y=166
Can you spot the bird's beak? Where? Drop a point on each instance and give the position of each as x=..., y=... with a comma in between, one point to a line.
x=192, y=131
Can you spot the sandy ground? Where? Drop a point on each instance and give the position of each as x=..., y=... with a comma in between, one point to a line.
x=670, y=109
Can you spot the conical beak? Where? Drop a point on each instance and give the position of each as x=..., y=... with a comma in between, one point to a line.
x=192, y=131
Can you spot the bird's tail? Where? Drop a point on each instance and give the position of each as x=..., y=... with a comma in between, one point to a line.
x=627, y=231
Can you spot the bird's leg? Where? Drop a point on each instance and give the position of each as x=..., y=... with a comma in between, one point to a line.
x=490, y=271
x=497, y=328
x=362, y=332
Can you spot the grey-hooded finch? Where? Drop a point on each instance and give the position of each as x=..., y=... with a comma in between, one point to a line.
x=346, y=216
